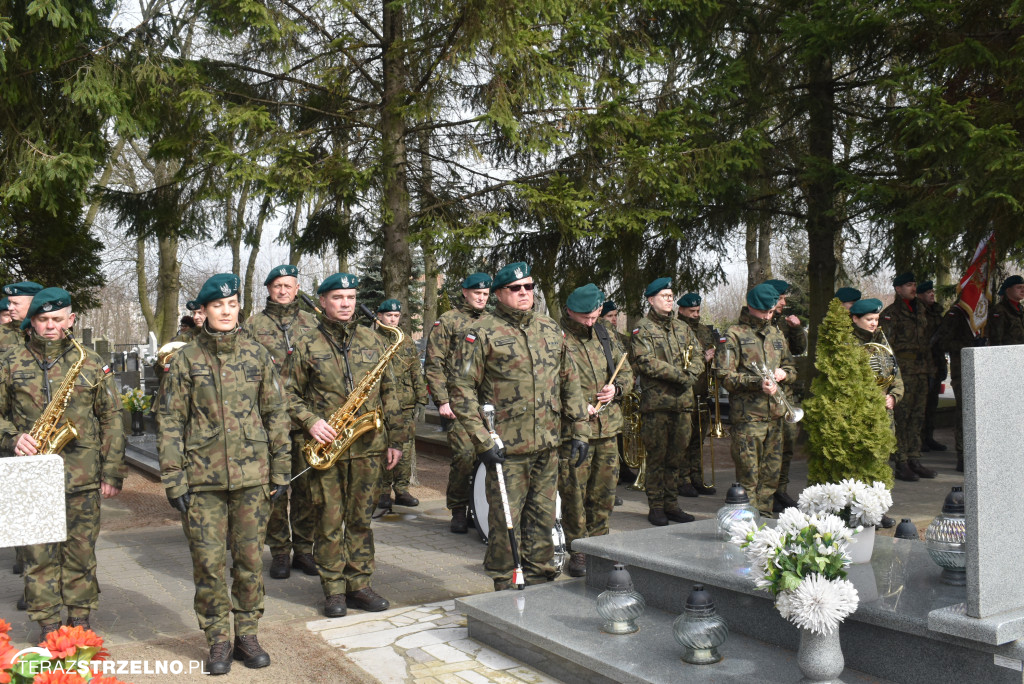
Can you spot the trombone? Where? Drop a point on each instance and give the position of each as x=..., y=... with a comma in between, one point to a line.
x=793, y=413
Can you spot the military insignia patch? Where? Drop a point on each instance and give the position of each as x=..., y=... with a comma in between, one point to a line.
x=518, y=273
x=471, y=338
x=8, y=291
x=636, y=331
x=108, y=371
x=344, y=282
x=47, y=307
x=437, y=323
x=225, y=289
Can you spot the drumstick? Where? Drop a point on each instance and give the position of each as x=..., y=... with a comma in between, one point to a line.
x=601, y=405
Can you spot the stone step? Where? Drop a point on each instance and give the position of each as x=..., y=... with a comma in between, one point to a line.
x=556, y=629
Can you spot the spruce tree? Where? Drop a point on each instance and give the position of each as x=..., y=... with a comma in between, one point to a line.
x=848, y=428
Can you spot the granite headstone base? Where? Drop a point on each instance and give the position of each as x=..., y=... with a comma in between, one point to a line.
x=32, y=506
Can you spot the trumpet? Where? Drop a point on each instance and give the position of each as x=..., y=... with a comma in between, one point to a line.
x=793, y=413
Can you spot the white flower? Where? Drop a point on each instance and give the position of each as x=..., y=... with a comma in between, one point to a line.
x=820, y=604
x=741, y=530
x=868, y=508
x=784, y=604
x=765, y=545
x=791, y=521
x=831, y=524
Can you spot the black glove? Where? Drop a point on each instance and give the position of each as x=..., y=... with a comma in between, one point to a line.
x=276, y=494
x=578, y=449
x=180, y=503
x=492, y=456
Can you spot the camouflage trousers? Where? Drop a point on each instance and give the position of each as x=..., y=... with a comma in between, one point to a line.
x=216, y=520
x=666, y=436
x=910, y=417
x=790, y=433
x=345, y=498
x=531, y=484
x=588, y=492
x=931, y=405
x=462, y=466
x=757, y=455
x=400, y=476
x=292, y=522
x=693, y=467
x=63, y=573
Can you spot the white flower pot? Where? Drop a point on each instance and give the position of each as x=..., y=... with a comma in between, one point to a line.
x=861, y=546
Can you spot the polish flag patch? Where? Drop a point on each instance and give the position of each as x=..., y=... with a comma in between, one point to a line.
x=471, y=338
x=106, y=370
x=636, y=331
x=437, y=323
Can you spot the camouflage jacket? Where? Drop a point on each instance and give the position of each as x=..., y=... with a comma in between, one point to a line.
x=933, y=312
x=97, y=455
x=11, y=335
x=519, y=362
x=327, y=364
x=412, y=390
x=441, y=342
x=277, y=327
x=751, y=341
x=953, y=335
x=1005, y=324
x=187, y=335
x=707, y=340
x=222, y=417
x=906, y=327
x=657, y=345
x=587, y=353
x=796, y=338
x=863, y=336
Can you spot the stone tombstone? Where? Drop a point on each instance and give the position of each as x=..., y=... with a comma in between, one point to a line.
x=32, y=507
x=993, y=389
x=103, y=349
x=87, y=337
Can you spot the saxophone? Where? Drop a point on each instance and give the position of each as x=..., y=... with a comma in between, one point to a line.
x=51, y=437
x=344, y=420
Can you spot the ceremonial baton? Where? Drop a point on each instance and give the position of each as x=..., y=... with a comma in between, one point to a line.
x=601, y=405
x=311, y=304
x=517, y=574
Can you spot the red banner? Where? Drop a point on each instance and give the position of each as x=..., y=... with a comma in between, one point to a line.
x=974, y=291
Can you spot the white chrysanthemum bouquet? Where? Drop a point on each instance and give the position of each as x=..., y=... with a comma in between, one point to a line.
x=858, y=504
x=802, y=561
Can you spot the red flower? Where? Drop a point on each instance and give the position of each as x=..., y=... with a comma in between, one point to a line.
x=58, y=678
x=66, y=640
x=5, y=626
x=105, y=680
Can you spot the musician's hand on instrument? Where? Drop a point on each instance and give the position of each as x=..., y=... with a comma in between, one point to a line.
x=108, y=491
x=393, y=457
x=180, y=503
x=709, y=354
x=606, y=394
x=793, y=321
x=492, y=456
x=591, y=411
x=323, y=432
x=277, y=492
x=780, y=375
x=890, y=402
x=26, y=445
x=769, y=387
x=445, y=410
x=579, y=449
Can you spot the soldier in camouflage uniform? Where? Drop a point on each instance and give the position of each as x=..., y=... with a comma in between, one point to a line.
x=62, y=575
x=437, y=367
x=691, y=477
x=610, y=320
x=847, y=296
x=659, y=345
x=755, y=415
x=5, y=312
x=517, y=360
x=412, y=392
x=198, y=317
x=793, y=332
x=328, y=364
x=292, y=524
x=1006, y=320
x=933, y=312
x=953, y=335
x=224, y=459
x=587, y=486
x=906, y=327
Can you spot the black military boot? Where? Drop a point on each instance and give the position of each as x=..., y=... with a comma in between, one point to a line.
x=687, y=489
x=82, y=622
x=47, y=629
x=785, y=499
x=903, y=472
x=335, y=606
x=618, y=500
x=18, y=567
x=305, y=563
x=459, y=524
x=960, y=463
x=385, y=501
x=577, y=565
x=367, y=599
x=22, y=602
x=502, y=585
x=657, y=517
x=920, y=470
x=704, y=489
x=219, y=661
x=406, y=499
x=932, y=445
x=249, y=651
x=280, y=566
x=679, y=515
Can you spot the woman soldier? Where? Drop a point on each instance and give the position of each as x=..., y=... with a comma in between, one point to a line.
x=864, y=314
x=224, y=456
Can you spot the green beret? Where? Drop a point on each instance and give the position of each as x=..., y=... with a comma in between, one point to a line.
x=657, y=286
x=219, y=286
x=762, y=297
x=192, y=305
x=45, y=301
x=608, y=307
x=280, y=272
x=25, y=288
x=925, y=286
x=5, y=304
x=780, y=285
x=389, y=305
x=689, y=299
x=585, y=299
x=476, y=281
x=866, y=306
x=338, y=281
x=1010, y=282
x=848, y=294
x=510, y=274
x=903, y=279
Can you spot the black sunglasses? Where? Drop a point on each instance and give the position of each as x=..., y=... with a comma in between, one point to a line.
x=521, y=286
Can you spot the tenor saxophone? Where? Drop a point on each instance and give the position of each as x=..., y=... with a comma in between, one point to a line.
x=344, y=420
x=51, y=437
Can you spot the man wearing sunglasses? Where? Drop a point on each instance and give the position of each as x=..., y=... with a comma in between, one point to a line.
x=516, y=359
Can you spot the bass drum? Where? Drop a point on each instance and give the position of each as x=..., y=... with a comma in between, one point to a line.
x=478, y=510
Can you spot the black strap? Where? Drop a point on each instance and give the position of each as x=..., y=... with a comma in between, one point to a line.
x=45, y=367
x=606, y=343
x=344, y=354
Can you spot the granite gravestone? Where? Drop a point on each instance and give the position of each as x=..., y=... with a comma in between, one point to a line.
x=32, y=507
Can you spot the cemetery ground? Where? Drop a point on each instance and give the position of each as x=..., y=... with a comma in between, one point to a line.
x=145, y=611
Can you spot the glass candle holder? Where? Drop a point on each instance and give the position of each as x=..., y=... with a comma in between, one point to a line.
x=619, y=604
x=737, y=509
x=946, y=539
x=700, y=630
